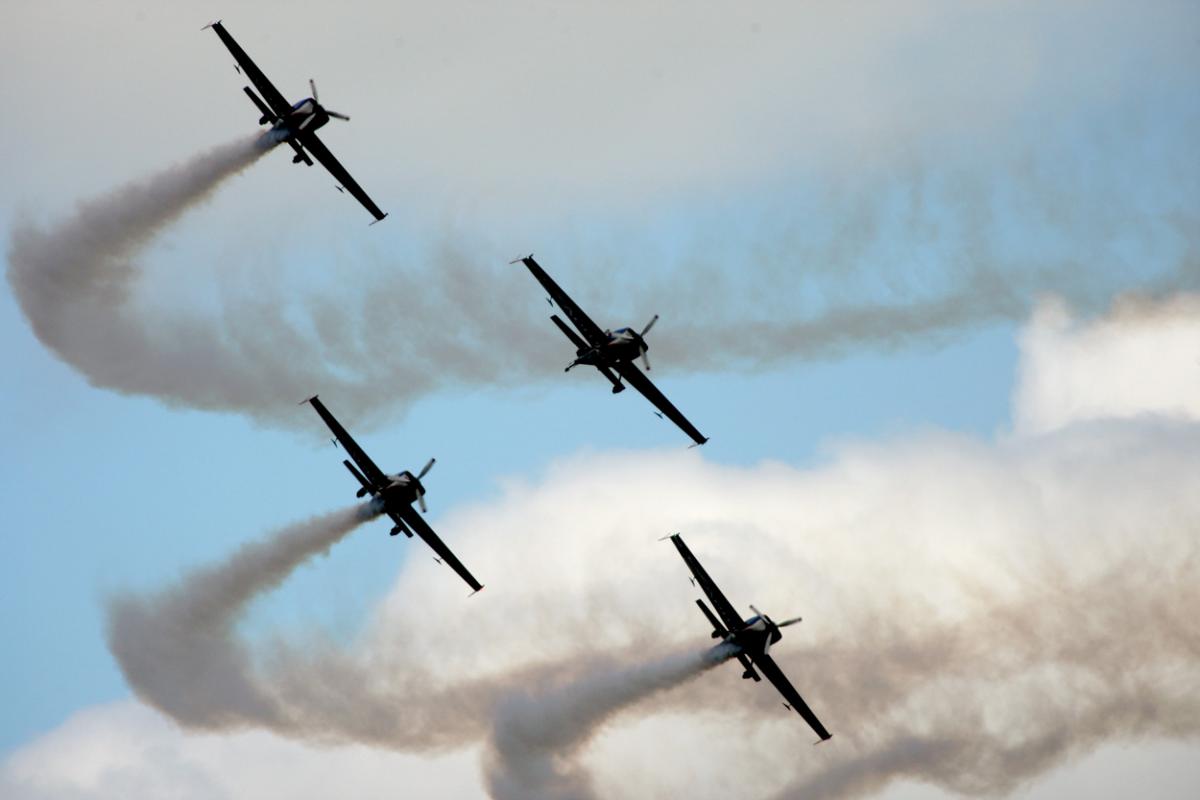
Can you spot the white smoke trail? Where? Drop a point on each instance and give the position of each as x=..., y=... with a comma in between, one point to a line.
x=177, y=647
x=537, y=733
x=982, y=706
x=74, y=280
x=75, y=283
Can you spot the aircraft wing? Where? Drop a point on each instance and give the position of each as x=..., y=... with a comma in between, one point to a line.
x=373, y=473
x=409, y=516
x=269, y=93
x=733, y=621
x=582, y=322
x=638, y=380
x=322, y=154
x=767, y=666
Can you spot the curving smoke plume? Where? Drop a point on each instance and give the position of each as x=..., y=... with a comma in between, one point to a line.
x=177, y=647
x=537, y=734
x=455, y=319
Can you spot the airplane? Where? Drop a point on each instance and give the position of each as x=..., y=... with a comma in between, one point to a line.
x=397, y=493
x=753, y=637
x=295, y=123
x=612, y=352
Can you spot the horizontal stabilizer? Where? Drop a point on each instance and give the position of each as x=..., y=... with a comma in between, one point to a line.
x=575, y=338
x=749, y=672
x=366, y=485
x=300, y=154
x=718, y=629
x=267, y=114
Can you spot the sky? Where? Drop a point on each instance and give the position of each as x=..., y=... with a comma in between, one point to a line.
x=927, y=276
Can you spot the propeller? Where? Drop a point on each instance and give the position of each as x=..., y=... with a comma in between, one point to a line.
x=645, y=330
x=420, y=494
x=336, y=115
x=783, y=624
x=766, y=619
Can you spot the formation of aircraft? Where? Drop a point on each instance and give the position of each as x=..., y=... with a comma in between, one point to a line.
x=613, y=353
x=397, y=493
x=295, y=123
x=753, y=638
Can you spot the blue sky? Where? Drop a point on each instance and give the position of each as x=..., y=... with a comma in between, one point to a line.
x=737, y=173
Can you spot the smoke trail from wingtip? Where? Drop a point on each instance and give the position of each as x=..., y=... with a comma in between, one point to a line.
x=537, y=735
x=177, y=647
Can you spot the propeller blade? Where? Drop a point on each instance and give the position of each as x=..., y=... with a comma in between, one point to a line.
x=313, y=85
x=787, y=622
x=425, y=469
x=336, y=115
x=645, y=360
x=421, y=503
x=649, y=325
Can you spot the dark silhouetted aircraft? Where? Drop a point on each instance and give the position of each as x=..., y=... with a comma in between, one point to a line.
x=295, y=123
x=397, y=492
x=612, y=352
x=753, y=637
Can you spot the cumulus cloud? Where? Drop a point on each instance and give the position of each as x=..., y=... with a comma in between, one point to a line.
x=126, y=750
x=1143, y=358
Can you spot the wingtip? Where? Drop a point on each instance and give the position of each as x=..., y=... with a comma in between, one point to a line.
x=214, y=23
x=477, y=591
x=307, y=400
x=377, y=219
x=520, y=259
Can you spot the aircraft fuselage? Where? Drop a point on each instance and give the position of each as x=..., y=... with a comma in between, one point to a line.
x=306, y=115
x=624, y=344
x=404, y=488
x=756, y=635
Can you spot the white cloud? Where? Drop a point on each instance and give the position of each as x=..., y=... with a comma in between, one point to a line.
x=1143, y=358
x=126, y=750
